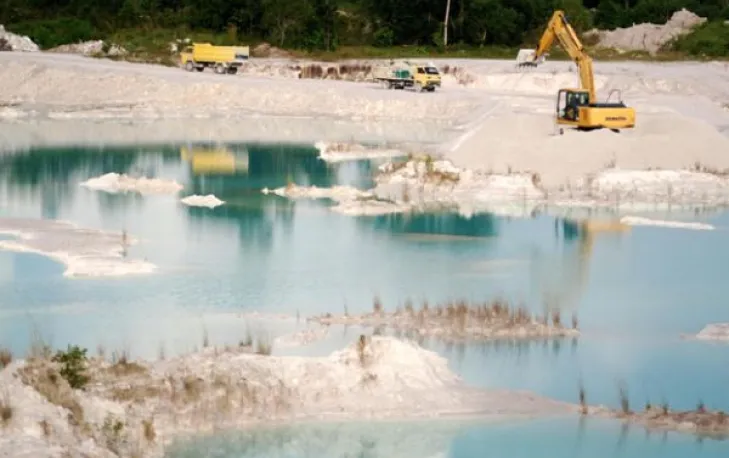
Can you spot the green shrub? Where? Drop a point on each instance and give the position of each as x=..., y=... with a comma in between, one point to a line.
x=50, y=33
x=710, y=39
x=73, y=366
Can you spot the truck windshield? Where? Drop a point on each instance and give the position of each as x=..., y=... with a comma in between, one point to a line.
x=431, y=70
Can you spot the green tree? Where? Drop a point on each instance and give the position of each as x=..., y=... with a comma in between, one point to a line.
x=285, y=19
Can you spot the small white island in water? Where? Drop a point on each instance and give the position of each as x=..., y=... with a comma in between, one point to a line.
x=209, y=201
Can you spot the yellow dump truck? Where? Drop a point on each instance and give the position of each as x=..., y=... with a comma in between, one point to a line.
x=420, y=77
x=223, y=59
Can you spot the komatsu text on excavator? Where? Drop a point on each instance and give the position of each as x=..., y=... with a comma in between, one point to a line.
x=579, y=107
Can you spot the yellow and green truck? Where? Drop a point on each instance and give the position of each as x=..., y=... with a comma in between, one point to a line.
x=420, y=77
x=223, y=59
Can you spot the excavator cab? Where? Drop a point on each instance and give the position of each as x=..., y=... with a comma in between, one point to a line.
x=568, y=103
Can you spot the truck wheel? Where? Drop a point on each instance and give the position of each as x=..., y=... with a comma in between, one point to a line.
x=232, y=70
x=189, y=66
x=219, y=69
x=200, y=68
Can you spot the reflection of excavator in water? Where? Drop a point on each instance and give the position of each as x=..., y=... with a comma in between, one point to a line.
x=215, y=160
x=575, y=272
x=579, y=107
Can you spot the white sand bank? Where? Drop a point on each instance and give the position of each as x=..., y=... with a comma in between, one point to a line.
x=115, y=183
x=154, y=91
x=220, y=389
x=195, y=200
x=640, y=221
x=338, y=152
x=423, y=183
x=714, y=331
x=84, y=252
x=349, y=200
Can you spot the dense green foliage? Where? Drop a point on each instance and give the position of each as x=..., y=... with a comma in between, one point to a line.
x=73, y=366
x=710, y=39
x=327, y=24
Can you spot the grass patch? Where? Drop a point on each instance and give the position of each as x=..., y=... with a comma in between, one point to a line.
x=263, y=345
x=6, y=410
x=6, y=357
x=44, y=377
x=149, y=431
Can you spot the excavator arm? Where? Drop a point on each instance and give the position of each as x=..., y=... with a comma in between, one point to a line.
x=559, y=28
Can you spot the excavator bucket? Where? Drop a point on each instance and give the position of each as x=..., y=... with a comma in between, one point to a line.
x=525, y=58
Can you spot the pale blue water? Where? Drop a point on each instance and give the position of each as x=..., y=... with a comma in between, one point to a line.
x=572, y=437
x=262, y=252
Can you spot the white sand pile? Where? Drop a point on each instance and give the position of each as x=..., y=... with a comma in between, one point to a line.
x=90, y=48
x=640, y=221
x=339, y=152
x=17, y=42
x=715, y=331
x=209, y=201
x=648, y=37
x=527, y=142
x=221, y=389
x=115, y=183
x=84, y=252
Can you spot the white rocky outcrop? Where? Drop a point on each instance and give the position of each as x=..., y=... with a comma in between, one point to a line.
x=16, y=42
x=646, y=36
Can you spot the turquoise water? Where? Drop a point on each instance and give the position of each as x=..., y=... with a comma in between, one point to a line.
x=571, y=437
x=635, y=295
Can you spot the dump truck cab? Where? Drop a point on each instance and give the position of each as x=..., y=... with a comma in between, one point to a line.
x=426, y=76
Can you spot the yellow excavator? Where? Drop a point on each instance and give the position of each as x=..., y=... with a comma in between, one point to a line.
x=579, y=107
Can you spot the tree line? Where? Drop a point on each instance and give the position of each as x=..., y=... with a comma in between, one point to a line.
x=328, y=24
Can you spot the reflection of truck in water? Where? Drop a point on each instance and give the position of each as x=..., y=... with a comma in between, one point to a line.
x=223, y=59
x=215, y=160
x=421, y=77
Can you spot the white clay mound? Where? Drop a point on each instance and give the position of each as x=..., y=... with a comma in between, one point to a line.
x=115, y=183
x=209, y=201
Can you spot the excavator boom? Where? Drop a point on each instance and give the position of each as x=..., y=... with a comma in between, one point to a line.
x=578, y=108
x=559, y=28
